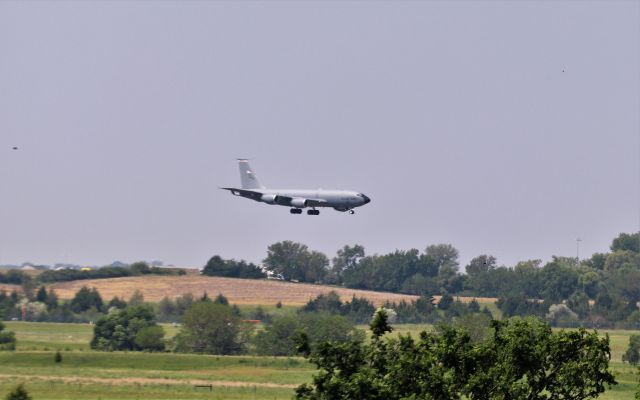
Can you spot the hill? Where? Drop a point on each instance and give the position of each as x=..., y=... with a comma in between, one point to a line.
x=238, y=291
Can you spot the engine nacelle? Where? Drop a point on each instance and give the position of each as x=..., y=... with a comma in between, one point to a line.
x=269, y=198
x=299, y=203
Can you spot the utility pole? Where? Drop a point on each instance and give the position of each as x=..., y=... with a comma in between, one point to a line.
x=578, y=240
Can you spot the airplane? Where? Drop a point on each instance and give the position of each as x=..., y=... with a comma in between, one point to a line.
x=297, y=199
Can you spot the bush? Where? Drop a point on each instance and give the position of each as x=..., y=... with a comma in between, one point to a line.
x=150, y=338
x=632, y=355
x=119, y=330
x=7, y=339
x=19, y=393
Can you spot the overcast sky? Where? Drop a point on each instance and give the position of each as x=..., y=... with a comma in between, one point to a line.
x=505, y=128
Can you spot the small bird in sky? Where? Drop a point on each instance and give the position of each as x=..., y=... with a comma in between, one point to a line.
x=15, y=147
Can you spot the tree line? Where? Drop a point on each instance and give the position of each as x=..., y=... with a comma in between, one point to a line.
x=600, y=291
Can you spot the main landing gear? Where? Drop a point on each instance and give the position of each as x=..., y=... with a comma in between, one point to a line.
x=309, y=212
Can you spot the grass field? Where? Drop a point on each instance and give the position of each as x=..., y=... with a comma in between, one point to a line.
x=238, y=291
x=86, y=374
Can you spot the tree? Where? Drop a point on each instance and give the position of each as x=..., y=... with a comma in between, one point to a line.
x=41, y=295
x=86, y=298
x=443, y=255
x=632, y=355
x=136, y=299
x=345, y=259
x=19, y=393
x=150, y=338
x=217, y=266
x=379, y=325
x=119, y=330
x=294, y=261
x=279, y=337
x=7, y=339
x=626, y=242
x=57, y=358
x=519, y=359
x=140, y=268
x=210, y=328
x=481, y=264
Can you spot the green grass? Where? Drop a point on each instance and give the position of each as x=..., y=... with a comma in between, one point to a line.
x=54, y=390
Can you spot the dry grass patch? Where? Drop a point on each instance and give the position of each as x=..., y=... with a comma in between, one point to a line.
x=238, y=291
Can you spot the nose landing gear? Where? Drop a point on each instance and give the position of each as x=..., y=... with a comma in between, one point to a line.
x=351, y=212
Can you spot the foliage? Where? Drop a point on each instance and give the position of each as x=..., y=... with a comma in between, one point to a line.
x=294, y=262
x=279, y=337
x=209, y=328
x=119, y=330
x=217, y=266
x=85, y=299
x=150, y=338
x=7, y=339
x=520, y=359
x=14, y=277
x=627, y=242
x=135, y=269
x=18, y=393
x=632, y=355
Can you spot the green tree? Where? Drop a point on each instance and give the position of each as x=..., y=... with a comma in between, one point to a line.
x=119, y=330
x=85, y=299
x=519, y=359
x=345, y=259
x=294, y=261
x=217, y=266
x=279, y=337
x=626, y=242
x=57, y=358
x=140, y=268
x=150, y=338
x=210, y=328
x=481, y=264
x=7, y=339
x=19, y=393
x=136, y=299
x=632, y=355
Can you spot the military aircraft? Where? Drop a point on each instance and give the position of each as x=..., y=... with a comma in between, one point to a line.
x=297, y=199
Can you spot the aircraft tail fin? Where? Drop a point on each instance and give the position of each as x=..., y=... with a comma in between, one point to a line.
x=248, y=178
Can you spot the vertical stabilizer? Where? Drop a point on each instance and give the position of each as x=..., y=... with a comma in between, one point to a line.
x=247, y=176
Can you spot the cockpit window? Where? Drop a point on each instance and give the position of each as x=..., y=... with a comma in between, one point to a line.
x=360, y=195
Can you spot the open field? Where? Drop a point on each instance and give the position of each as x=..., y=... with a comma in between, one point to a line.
x=86, y=374
x=9, y=288
x=238, y=291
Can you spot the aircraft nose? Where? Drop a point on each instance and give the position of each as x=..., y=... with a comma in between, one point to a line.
x=366, y=199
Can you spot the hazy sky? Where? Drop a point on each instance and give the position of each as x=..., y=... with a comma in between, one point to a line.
x=506, y=128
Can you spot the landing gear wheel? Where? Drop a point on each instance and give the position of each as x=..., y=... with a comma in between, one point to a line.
x=313, y=212
x=295, y=211
x=351, y=212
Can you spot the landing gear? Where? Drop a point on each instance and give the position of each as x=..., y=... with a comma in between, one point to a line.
x=313, y=212
x=351, y=212
x=296, y=211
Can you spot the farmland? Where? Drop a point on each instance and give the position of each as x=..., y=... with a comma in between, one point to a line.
x=238, y=291
x=87, y=374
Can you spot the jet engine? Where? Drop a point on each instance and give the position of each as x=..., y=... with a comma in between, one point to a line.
x=299, y=203
x=269, y=198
